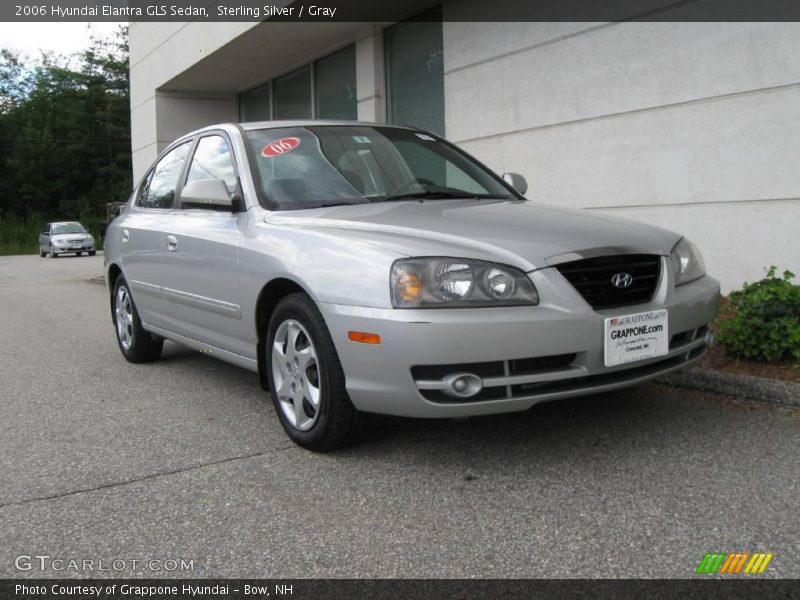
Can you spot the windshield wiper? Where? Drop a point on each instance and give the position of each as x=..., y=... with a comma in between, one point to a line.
x=439, y=195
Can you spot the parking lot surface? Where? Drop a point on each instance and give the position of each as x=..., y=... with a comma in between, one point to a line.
x=185, y=459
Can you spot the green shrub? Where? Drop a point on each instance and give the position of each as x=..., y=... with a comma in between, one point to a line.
x=762, y=320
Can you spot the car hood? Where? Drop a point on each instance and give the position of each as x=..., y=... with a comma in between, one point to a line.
x=525, y=234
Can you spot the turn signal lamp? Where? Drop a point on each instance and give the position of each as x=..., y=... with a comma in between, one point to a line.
x=408, y=288
x=363, y=337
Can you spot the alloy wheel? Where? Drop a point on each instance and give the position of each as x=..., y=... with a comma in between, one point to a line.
x=295, y=372
x=124, y=313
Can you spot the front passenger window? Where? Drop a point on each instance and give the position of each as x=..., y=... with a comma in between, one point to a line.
x=212, y=160
x=159, y=191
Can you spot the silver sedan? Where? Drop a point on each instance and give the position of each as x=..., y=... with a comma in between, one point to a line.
x=65, y=237
x=361, y=268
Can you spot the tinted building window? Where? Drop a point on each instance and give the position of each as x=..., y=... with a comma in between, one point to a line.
x=255, y=104
x=335, y=85
x=293, y=95
x=415, y=73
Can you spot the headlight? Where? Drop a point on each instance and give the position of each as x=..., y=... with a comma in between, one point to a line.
x=687, y=261
x=448, y=282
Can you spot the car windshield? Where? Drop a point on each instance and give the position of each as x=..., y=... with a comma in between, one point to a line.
x=308, y=167
x=59, y=228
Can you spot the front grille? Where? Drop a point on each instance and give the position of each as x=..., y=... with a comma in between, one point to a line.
x=577, y=383
x=544, y=364
x=80, y=241
x=592, y=278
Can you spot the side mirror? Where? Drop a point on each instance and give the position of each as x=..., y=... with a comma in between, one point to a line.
x=212, y=193
x=516, y=181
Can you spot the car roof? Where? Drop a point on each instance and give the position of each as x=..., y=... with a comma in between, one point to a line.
x=252, y=125
x=63, y=222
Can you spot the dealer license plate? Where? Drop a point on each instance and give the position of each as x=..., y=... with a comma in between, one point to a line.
x=635, y=337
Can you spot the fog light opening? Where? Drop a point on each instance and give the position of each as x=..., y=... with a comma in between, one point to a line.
x=462, y=385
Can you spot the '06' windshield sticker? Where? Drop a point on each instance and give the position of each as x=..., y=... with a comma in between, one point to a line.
x=281, y=146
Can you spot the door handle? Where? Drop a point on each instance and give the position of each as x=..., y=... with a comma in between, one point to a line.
x=172, y=243
x=126, y=235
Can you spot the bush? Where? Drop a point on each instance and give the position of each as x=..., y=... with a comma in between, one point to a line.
x=762, y=320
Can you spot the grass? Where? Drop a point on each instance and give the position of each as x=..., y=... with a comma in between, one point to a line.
x=20, y=237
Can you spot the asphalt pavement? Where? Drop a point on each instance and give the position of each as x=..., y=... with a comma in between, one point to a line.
x=103, y=460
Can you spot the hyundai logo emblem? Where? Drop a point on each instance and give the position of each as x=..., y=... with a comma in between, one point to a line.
x=622, y=280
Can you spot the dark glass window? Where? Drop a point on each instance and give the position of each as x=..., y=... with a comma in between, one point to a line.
x=158, y=190
x=305, y=167
x=415, y=73
x=335, y=85
x=212, y=160
x=255, y=104
x=293, y=95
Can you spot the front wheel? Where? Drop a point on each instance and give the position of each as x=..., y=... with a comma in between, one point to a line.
x=136, y=344
x=306, y=379
x=92, y=252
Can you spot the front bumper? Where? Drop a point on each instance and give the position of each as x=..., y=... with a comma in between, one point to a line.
x=70, y=248
x=379, y=377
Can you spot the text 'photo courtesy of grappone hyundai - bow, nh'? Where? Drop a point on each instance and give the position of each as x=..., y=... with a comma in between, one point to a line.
x=364, y=269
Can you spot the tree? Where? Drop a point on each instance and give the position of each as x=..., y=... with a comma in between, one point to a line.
x=65, y=131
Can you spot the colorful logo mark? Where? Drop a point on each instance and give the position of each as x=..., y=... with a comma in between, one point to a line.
x=734, y=563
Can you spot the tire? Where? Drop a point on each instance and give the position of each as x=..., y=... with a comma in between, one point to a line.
x=136, y=344
x=78, y=253
x=53, y=254
x=92, y=252
x=42, y=253
x=335, y=422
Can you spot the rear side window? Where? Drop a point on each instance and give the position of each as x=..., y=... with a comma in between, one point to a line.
x=212, y=160
x=158, y=189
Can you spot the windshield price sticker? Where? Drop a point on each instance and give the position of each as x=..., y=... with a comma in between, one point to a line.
x=281, y=146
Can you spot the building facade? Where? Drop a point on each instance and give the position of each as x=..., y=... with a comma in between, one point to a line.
x=691, y=126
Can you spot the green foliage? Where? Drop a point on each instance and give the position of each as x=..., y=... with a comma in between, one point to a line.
x=764, y=321
x=20, y=237
x=64, y=137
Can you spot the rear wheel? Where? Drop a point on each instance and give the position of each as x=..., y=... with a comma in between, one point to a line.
x=136, y=344
x=306, y=379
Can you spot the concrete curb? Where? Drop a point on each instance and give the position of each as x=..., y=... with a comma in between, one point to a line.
x=745, y=387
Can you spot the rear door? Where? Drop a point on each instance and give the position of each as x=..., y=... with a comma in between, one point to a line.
x=142, y=234
x=202, y=293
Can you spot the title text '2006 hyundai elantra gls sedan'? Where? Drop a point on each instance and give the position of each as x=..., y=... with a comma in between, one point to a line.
x=361, y=268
